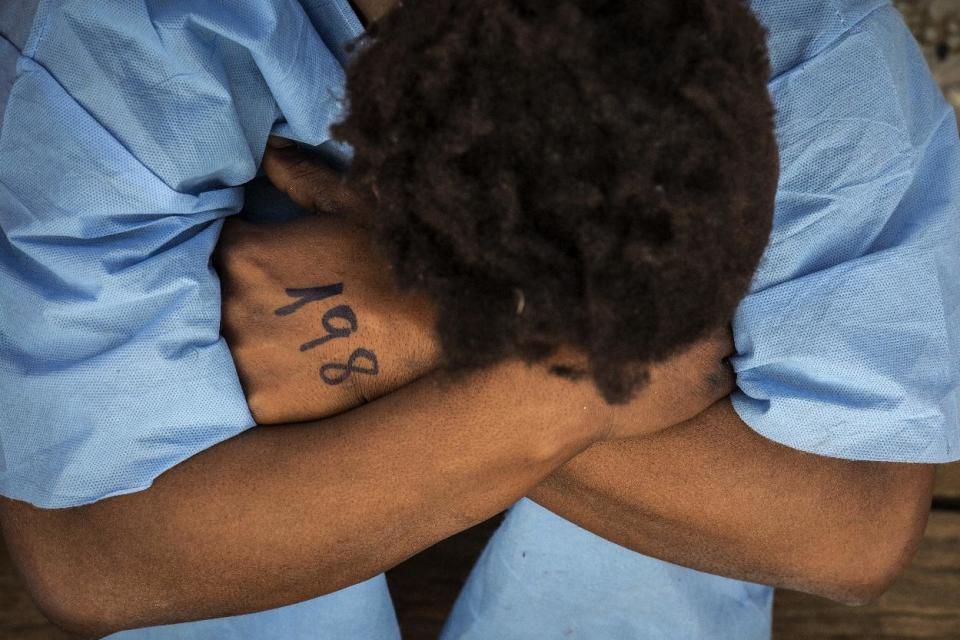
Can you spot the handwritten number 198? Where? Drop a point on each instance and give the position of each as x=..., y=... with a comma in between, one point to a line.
x=341, y=311
x=333, y=373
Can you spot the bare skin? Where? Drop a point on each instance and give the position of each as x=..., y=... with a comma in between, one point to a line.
x=281, y=514
x=710, y=493
x=235, y=529
x=374, y=9
x=713, y=495
x=271, y=275
x=285, y=513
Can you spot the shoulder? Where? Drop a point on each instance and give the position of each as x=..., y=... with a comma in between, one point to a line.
x=797, y=30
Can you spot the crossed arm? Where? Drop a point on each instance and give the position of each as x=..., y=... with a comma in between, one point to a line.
x=281, y=514
x=710, y=493
x=713, y=495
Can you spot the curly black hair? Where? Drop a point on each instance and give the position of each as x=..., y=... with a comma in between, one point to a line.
x=593, y=174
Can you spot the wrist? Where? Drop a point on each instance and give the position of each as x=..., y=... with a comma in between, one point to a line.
x=579, y=396
x=562, y=416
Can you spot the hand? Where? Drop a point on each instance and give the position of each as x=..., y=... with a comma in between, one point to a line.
x=279, y=388
x=679, y=388
x=311, y=315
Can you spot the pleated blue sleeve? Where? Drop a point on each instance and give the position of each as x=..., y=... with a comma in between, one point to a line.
x=128, y=130
x=848, y=343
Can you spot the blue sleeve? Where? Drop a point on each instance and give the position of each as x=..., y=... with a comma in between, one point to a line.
x=848, y=343
x=127, y=134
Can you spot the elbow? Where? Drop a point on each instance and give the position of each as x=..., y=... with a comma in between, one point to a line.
x=71, y=615
x=858, y=586
x=875, y=575
x=63, y=572
x=92, y=607
x=93, y=598
x=880, y=545
x=78, y=606
x=864, y=584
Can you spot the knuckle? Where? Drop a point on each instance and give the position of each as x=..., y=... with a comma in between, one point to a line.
x=234, y=263
x=244, y=257
x=260, y=408
x=305, y=169
x=256, y=405
x=321, y=200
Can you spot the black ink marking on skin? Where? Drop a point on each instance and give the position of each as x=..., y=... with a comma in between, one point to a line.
x=308, y=295
x=346, y=370
x=343, y=312
x=333, y=373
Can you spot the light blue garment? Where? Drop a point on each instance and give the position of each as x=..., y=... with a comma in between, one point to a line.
x=129, y=126
x=848, y=343
x=361, y=612
x=127, y=133
x=542, y=577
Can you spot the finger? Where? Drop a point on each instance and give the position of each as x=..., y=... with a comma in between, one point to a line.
x=308, y=181
x=278, y=143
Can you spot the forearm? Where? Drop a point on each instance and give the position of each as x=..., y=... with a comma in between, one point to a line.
x=713, y=495
x=282, y=514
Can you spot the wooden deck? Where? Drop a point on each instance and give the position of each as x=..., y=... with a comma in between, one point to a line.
x=925, y=602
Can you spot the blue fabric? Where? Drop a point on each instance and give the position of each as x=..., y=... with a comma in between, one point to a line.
x=541, y=576
x=128, y=133
x=361, y=612
x=129, y=127
x=848, y=343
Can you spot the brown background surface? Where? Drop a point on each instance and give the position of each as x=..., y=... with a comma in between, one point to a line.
x=925, y=602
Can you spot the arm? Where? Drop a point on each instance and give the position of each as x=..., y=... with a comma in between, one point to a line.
x=710, y=493
x=278, y=515
x=268, y=324
x=713, y=495
x=281, y=514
